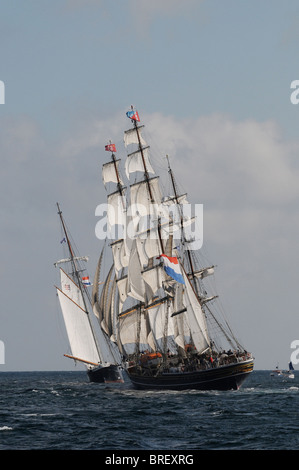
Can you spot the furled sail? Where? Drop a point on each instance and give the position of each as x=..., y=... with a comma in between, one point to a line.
x=95, y=290
x=104, y=302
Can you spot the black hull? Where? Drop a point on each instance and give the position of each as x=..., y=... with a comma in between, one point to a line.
x=108, y=374
x=228, y=377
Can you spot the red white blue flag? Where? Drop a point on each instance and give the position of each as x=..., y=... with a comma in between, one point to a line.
x=133, y=115
x=86, y=281
x=110, y=148
x=172, y=268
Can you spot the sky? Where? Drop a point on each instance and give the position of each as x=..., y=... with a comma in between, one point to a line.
x=211, y=80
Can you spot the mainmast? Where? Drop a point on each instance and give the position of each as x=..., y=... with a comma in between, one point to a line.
x=183, y=238
x=146, y=173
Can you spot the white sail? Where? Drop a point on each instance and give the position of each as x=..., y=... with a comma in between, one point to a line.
x=110, y=172
x=196, y=318
x=105, y=303
x=128, y=328
x=160, y=321
x=136, y=286
x=113, y=314
x=131, y=137
x=95, y=290
x=141, y=197
x=204, y=272
x=116, y=211
x=148, y=247
x=136, y=160
x=180, y=323
x=120, y=256
x=155, y=277
x=76, y=320
x=122, y=285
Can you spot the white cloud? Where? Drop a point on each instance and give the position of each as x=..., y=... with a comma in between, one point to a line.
x=243, y=171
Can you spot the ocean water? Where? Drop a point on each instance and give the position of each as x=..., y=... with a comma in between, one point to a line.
x=63, y=411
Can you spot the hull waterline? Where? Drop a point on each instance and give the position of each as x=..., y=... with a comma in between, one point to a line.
x=229, y=377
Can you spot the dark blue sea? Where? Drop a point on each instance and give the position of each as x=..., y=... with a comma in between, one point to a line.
x=63, y=411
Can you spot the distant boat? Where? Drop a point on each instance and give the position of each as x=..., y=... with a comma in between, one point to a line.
x=290, y=372
x=95, y=351
x=284, y=373
x=276, y=373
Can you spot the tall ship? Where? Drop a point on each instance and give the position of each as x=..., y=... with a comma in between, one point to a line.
x=89, y=345
x=163, y=320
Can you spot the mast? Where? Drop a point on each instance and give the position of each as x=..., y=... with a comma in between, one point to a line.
x=182, y=226
x=72, y=256
x=146, y=175
x=75, y=272
x=119, y=184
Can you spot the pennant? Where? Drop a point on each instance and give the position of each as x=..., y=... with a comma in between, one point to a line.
x=63, y=240
x=172, y=268
x=110, y=148
x=133, y=115
x=86, y=281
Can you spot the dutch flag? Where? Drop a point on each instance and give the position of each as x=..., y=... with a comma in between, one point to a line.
x=172, y=268
x=86, y=281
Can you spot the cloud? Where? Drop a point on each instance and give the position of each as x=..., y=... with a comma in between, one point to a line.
x=243, y=172
x=243, y=168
